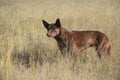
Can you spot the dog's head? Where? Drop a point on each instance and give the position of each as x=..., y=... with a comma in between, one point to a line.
x=53, y=29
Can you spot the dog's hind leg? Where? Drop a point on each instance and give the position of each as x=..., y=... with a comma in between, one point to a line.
x=99, y=49
x=109, y=50
x=100, y=45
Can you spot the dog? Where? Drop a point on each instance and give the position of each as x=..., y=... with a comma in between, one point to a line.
x=72, y=42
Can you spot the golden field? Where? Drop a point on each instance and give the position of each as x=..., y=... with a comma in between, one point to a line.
x=26, y=53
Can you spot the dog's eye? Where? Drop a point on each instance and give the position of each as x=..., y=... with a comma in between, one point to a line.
x=50, y=27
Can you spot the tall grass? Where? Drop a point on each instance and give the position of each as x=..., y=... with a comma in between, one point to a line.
x=26, y=53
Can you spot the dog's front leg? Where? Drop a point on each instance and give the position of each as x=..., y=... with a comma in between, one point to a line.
x=63, y=51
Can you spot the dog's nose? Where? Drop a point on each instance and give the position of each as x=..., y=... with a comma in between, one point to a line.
x=48, y=35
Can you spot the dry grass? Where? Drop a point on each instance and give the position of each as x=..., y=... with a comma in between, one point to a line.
x=26, y=53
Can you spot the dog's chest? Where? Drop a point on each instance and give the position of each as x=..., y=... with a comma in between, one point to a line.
x=62, y=43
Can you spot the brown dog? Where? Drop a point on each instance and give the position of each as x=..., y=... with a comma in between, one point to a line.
x=74, y=41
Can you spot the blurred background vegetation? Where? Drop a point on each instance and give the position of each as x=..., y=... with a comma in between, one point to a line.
x=26, y=53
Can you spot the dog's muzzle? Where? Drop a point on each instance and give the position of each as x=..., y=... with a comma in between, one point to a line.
x=48, y=35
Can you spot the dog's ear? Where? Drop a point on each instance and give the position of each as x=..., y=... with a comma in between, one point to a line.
x=57, y=23
x=46, y=24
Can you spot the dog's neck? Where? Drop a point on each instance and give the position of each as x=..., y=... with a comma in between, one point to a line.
x=63, y=38
x=64, y=34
